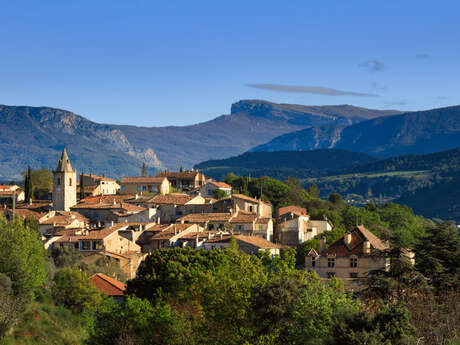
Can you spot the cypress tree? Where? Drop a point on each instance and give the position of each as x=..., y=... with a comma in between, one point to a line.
x=143, y=170
x=26, y=187
x=82, y=188
x=29, y=188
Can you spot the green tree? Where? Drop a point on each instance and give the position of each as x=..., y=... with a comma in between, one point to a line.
x=22, y=257
x=136, y=321
x=313, y=190
x=144, y=170
x=73, y=289
x=82, y=188
x=438, y=255
x=219, y=194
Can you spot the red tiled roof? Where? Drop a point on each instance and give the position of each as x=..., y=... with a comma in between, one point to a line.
x=248, y=198
x=206, y=217
x=107, y=285
x=243, y=217
x=24, y=213
x=172, y=199
x=106, y=198
x=300, y=211
x=142, y=179
x=355, y=247
x=255, y=241
x=171, y=231
x=11, y=192
x=221, y=185
x=178, y=174
x=101, y=178
x=101, y=234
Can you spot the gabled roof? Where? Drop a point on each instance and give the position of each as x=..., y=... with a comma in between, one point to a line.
x=358, y=235
x=172, y=199
x=178, y=174
x=64, y=163
x=300, y=211
x=107, y=285
x=206, y=217
x=248, y=198
x=244, y=217
x=222, y=185
x=141, y=179
x=171, y=231
x=255, y=241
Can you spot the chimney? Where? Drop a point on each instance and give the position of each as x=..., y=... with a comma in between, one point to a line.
x=322, y=244
x=111, y=223
x=136, y=196
x=158, y=220
x=209, y=235
x=366, y=247
x=347, y=238
x=221, y=235
x=196, y=240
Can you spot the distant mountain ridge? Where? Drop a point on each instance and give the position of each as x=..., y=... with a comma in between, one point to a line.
x=415, y=132
x=35, y=136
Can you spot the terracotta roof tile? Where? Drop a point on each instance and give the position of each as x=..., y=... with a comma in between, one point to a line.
x=300, y=211
x=107, y=285
x=355, y=247
x=255, y=241
x=178, y=174
x=221, y=185
x=172, y=199
x=206, y=217
x=248, y=198
x=141, y=179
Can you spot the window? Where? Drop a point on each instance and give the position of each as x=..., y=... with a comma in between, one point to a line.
x=353, y=274
x=313, y=261
x=123, y=188
x=330, y=274
x=353, y=261
x=251, y=208
x=85, y=245
x=144, y=188
x=97, y=245
x=330, y=262
x=58, y=181
x=70, y=181
x=139, y=188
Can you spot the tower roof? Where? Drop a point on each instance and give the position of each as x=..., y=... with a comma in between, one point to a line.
x=64, y=162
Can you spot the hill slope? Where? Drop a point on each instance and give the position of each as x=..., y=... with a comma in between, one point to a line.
x=35, y=136
x=416, y=132
x=300, y=164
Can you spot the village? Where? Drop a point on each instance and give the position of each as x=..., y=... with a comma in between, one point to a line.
x=128, y=219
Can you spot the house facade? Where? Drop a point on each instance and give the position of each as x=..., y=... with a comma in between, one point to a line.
x=99, y=185
x=350, y=257
x=184, y=180
x=209, y=188
x=155, y=185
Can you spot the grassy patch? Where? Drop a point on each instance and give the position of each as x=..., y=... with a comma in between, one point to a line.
x=46, y=323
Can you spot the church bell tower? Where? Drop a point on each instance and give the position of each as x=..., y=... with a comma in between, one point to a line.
x=64, y=184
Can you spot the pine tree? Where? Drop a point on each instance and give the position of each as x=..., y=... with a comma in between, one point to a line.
x=82, y=188
x=143, y=170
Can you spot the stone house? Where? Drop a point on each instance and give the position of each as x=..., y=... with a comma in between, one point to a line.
x=106, y=211
x=7, y=193
x=173, y=206
x=100, y=185
x=165, y=236
x=245, y=203
x=184, y=180
x=251, y=224
x=156, y=185
x=247, y=244
x=55, y=221
x=207, y=190
x=294, y=226
x=209, y=221
x=350, y=257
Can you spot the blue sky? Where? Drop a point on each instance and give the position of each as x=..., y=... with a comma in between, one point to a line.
x=157, y=63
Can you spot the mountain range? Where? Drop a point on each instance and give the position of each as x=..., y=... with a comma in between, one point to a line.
x=35, y=136
x=415, y=132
